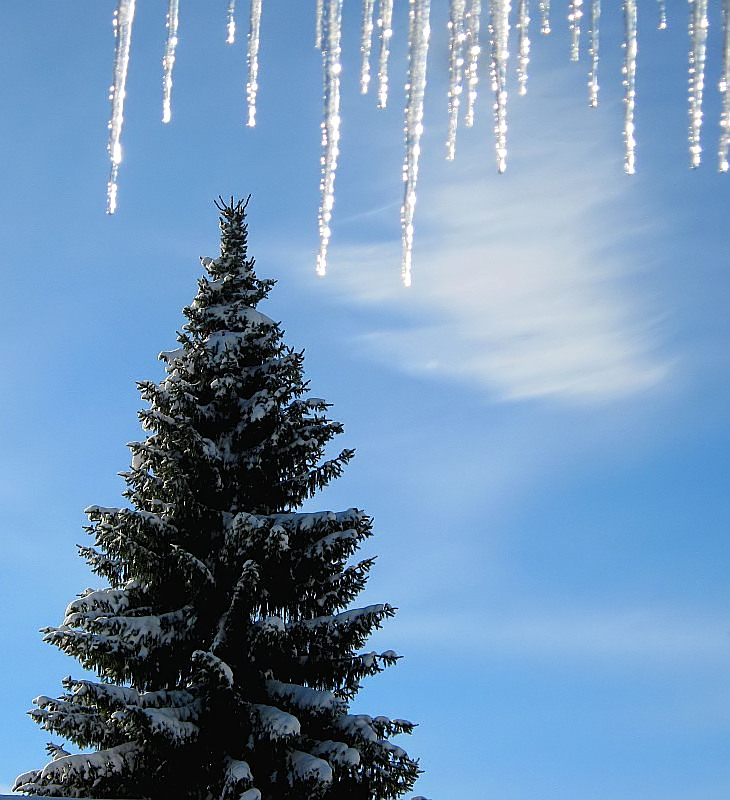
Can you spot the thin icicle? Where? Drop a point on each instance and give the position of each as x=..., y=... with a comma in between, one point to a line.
x=698, y=25
x=231, y=22
x=123, y=19
x=544, y=6
x=332, y=67
x=169, y=59
x=252, y=85
x=724, y=87
x=593, y=52
x=523, y=26
x=385, y=27
x=473, y=17
x=457, y=38
x=499, y=30
x=366, y=44
x=319, y=25
x=662, y=24
x=574, y=17
x=418, y=38
x=629, y=73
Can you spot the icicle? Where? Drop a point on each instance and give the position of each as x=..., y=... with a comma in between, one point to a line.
x=662, y=24
x=473, y=49
x=418, y=38
x=698, y=39
x=319, y=25
x=331, y=29
x=123, y=19
x=169, y=60
x=523, y=25
x=385, y=25
x=231, y=22
x=366, y=44
x=252, y=86
x=724, y=87
x=499, y=30
x=457, y=37
x=629, y=73
x=593, y=51
x=544, y=7
x=574, y=17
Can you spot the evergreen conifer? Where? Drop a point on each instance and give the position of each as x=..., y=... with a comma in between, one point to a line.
x=225, y=656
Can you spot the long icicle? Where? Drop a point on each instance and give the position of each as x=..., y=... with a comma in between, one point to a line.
x=523, y=47
x=385, y=27
x=575, y=15
x=473, y=18
x=544, y=6
x=418, y=39
x=366, y=44
x=457, y=39
x=593, y=52
x=629, y=73
x=499, y=30
x=168, y=62
x=698, y=25
x=231, y=22
x=332, y=67
x=724, y=86
x=123, y=19
x=319, y=25
x=252, y=84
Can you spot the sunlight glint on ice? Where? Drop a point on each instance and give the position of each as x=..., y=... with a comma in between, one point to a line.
x=464, y=23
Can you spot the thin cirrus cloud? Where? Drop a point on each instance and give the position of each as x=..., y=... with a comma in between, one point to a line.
x=527, y=284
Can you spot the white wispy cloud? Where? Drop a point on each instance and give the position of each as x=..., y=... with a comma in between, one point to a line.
x=526, y=284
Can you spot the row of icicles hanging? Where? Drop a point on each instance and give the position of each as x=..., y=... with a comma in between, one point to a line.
x=464, y=24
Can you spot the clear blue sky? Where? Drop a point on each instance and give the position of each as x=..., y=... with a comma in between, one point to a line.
x=541, y=421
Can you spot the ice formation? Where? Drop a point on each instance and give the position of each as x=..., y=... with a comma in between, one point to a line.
x=465, y=22
x=330, y=42
x=252, y=85
x=123, y=19
x=419, y=33
x=231, y=22
x=698, y=24
x=629, y=73
x=169, y=60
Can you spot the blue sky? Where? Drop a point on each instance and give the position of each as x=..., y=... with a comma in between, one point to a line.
x=541, y=420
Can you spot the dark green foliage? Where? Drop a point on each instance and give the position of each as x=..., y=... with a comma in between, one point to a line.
x=226, y=658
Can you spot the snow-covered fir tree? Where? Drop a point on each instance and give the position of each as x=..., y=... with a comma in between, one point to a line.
x=225, y=653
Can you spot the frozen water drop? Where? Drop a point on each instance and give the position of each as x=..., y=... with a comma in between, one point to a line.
x=418, y=38
x=629, y=80
x=385, y=28
x=231, y=22
x=499, y=30
x=523, y=47
x=123, y=20
x=254, y=34
x=332, y=67
x=698, y=25
x=319, y=24
x=473, y=22
x=457, y=39
x=594, y=53
x=544, y=8
x=366, y=43
x=724, y=86
x=168, y=61
x=575, y=15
